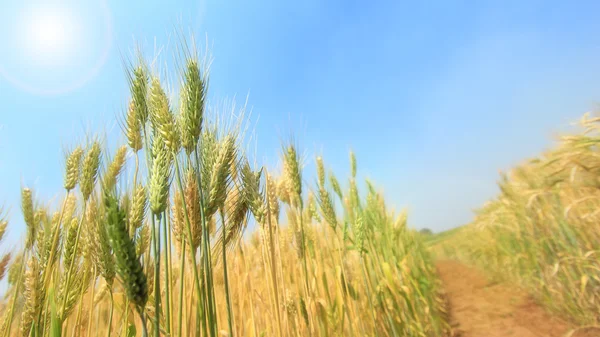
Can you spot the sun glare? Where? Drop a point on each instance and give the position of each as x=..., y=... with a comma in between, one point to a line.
x=54, y=46
x=51, y=36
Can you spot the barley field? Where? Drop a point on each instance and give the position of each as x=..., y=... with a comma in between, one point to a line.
x=179, y=232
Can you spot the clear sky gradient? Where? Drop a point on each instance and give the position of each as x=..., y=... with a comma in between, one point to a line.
x=434, y=97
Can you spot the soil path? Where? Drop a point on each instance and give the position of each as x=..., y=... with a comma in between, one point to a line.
x=480, y=308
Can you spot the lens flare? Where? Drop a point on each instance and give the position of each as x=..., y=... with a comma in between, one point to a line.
x=54, y=48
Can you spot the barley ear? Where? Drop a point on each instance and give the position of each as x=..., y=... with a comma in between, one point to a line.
x=293, y=173
x=160, y=176
x=138, y=207
x=133, y=128
x=220, y=175
x=143, y=240
x=3, y=225
x=89, y=170
x=14, y=270
x=272, y=198
x=336, y=186
x=192, y=202
x=4, y=265
x=177, y=221
x=114, y=169
x=252, y=191
x=33, y=294
x=352, y=164
x=192, y=105
x=102, y=252
x=139, y=91
x=236, y=213
x=72, y=168
x=29, y=216
x=163, y=121
x=324, y=199
x=311, y=208
x=69, y=245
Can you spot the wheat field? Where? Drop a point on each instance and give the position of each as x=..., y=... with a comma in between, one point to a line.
x=541, y=231
x=177, y=232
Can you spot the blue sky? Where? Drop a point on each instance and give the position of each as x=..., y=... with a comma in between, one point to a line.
x=434, y=97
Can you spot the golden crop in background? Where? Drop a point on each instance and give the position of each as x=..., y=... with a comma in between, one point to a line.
x=542, y=231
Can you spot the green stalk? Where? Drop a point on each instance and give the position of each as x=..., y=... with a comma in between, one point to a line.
x=110, y=317
x=181, y=285
x=156, y=240
x=189, y=234
x=137, y=167
x=143, y=318
x=226, y=279
x=167, y=285
x=169, y=250
x=202, y=305
x=210, y=294
x=33, y=330
x=126, y=316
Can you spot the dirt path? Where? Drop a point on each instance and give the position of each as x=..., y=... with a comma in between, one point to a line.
x=483, y=309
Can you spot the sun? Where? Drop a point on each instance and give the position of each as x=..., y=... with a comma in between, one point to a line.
x=54, y=46
x=49, y=33
x=51, y=36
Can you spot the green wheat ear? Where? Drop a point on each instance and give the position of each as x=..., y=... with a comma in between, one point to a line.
x=139, y=89
x=160, y=177
x=128, y=264
x=193, y=95
x=163, y=122
x=293, y=174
